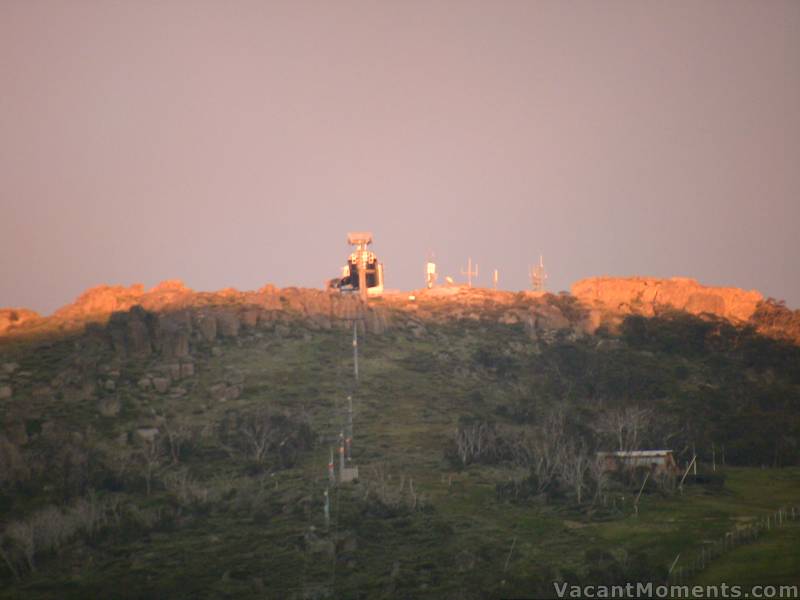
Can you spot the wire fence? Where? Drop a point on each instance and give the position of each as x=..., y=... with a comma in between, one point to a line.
x=743, y=534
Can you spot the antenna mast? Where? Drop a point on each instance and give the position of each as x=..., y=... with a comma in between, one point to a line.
x=538, y=276
x=469, y=272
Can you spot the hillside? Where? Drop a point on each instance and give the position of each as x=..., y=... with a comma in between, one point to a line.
x=172, y=443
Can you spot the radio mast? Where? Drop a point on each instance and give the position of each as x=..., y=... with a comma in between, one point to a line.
x=538, y=276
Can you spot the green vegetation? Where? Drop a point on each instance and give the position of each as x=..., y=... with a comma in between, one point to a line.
x=215, y=487
x=773, y=560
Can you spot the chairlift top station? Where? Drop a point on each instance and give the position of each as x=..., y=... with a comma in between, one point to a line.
x=363, y=272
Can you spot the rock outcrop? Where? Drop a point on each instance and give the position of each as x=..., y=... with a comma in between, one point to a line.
x=100, y=300
x=170, y=319
x=11, y=318
x=649, y=297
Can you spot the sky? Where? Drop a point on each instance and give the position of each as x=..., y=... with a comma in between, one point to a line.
x=234, y=144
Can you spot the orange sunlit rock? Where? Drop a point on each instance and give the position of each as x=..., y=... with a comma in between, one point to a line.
x=649, y=296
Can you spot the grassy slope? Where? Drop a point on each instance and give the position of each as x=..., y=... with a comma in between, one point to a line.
x=772, y=560
x=410, y=399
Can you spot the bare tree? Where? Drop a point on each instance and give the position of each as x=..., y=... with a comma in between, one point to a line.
x=574, y=469
x=265, y=434
x=151, y=455
x=549, y=448
x=259, y=436
x=521, y=446
x=22, y=535
x=599, y=476
x=403, y=495
x=179, y=433
x=185, y=488
x=6, y=554
x=626, y=426
x=13, y=467
x=474, y=441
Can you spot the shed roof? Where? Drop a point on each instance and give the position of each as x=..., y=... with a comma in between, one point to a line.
x=635, y=453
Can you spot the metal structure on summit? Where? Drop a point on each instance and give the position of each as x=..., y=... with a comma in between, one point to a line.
x=469, y=272
x=363, y=272
x=538, y=276
x=430, y=271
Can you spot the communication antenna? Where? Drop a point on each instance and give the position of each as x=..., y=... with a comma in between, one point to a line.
x=430, y=271
x=538, y=276
x=470, y=273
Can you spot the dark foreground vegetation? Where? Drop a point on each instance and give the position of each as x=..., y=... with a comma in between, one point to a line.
x=475, y=443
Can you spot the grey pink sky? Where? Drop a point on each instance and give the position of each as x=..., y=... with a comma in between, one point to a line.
x=236, y=143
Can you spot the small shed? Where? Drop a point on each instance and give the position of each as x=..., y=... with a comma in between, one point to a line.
x=660, y=462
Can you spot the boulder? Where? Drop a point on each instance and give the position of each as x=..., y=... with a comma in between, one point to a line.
x=42, y=393
x=148, y=434
x=171, y=293
x=16, y=432
x=109, y=407
x=139, y=339
x=12, y=318
x=218, y=392
x=268, y=297
x=250, y=317
x=87, y=390
x=173, y=370
x=234, y=377
x=161, y=384
x=206, y=324
x=175, y=343
x=228, y=323
x=549, y=318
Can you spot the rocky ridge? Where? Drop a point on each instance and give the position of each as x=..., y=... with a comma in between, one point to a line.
x=166, y=317
x=170, y=317
x=649, y=297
